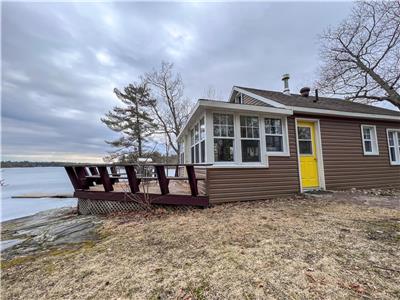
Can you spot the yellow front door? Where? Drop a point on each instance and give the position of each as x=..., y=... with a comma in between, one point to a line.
x=308, y=154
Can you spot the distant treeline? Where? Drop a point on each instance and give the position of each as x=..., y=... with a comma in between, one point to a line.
x=31, y=164
x=156, y=158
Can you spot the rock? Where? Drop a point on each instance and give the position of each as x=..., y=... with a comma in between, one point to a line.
x=57, y=227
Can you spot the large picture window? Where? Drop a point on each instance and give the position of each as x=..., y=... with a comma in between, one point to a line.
x=369, y=140
x=393, y=136
x=250, y=139
x=223, y=131
x=197, y=147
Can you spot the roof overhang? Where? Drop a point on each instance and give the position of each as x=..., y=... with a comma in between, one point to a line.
x=315, y=111
x=338, y=113
x=202, y=105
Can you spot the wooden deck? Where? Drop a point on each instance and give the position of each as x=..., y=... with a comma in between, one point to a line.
x=121, y=182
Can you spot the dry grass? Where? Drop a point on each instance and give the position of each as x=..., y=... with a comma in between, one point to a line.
x=287, y=249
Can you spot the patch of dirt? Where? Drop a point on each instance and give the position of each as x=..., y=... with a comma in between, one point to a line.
x=323, y=247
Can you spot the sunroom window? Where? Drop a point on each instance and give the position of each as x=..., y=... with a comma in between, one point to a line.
x=394, y=146
x=250, y=139
x=198, y=149
x=223, y=131
x=369, y=139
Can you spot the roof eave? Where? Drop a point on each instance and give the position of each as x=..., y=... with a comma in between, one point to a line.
x=328, y=112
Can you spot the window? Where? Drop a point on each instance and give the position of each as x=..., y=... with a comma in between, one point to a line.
x=250, y=139
x=369, y=140
x=239, y=98
x=181, y=153
x=276, y=136
x=273, y=135
x=394, y=146
x=305, y=140
x=223, y=137
x=198, y=136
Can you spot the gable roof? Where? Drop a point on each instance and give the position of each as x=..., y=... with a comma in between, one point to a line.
x=324, y=103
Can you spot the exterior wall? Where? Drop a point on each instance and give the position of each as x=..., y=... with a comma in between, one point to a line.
x=201, y=184
x=345, y=165
x=242, y=184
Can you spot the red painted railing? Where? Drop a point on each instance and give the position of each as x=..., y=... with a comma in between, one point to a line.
x=85, y=176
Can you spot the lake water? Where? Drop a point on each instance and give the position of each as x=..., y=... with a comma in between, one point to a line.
x=20, y=181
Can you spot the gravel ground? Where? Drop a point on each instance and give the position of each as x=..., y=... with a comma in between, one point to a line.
x=323, y=246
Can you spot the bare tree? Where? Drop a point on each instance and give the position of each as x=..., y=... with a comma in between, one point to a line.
x=171, y=109
x=361, y=57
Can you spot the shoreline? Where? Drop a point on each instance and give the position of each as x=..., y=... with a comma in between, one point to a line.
x=40, y=232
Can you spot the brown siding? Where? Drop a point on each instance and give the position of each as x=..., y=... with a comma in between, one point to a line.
x=242, y=184
x=251, y=101
x=345, y=164
x=200, y=173
x=201, y=184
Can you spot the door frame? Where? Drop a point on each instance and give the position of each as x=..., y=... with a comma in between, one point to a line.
x=318, y=144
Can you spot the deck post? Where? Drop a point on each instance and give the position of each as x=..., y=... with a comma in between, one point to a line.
x=163, y=181
x=93, y=171
x=114, y=173
x=76, y=183
x=81, y=173
x=132, y=179
x=192, y=180
x=105, y=179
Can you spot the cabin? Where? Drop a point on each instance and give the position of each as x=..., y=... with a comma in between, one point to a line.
x=258, y=144
x=262, y=144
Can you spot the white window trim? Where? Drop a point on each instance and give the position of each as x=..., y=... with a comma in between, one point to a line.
x=200, y=140
x=285, y=134
x=234, y=137
x=237, y=140
x=396, y=145
x=252, y=139
x=374, y=132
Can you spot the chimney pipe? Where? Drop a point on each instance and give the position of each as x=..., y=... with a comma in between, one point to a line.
x=305, y=91
x=285, y=79
x=316, y=96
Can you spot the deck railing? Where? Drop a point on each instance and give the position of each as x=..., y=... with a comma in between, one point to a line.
x=85, y=176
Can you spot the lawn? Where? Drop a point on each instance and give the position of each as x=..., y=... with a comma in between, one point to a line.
x=294, y=248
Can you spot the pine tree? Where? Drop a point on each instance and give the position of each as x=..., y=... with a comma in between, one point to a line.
x=131, y=120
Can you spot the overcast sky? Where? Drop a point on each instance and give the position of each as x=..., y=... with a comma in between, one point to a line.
x=60, y=62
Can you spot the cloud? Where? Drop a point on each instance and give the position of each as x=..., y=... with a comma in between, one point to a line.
x=61, y=61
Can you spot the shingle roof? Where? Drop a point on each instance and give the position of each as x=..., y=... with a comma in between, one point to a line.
x=322, y=103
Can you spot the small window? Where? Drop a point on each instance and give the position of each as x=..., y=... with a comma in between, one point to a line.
x=305, y=140
x=181, y=153
x=394, y=146
x=276, y=136
x=198, y=136
x=369, y=140
x=223, y=130
x=239, y=98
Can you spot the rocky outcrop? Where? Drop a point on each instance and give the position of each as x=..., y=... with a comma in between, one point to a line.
x=47, y=230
